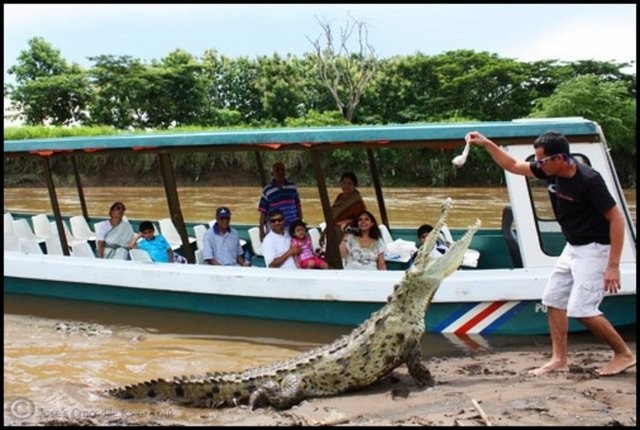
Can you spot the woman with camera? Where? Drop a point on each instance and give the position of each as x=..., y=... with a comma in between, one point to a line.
x=363, y=248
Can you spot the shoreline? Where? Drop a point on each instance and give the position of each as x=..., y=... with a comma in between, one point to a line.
x=487, y=388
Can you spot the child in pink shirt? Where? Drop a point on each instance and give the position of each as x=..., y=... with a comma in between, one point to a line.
x=307, y=259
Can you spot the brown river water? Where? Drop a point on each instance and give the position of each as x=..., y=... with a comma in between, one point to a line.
x=60, y=355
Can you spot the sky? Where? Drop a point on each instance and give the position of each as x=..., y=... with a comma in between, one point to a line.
x=566, y=32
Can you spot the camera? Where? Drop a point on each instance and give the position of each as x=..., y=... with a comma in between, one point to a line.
x=351, y=230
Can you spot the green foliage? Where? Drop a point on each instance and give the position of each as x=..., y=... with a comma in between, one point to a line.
x=314, y=118
x=605, y=102
x=187, y=93
x=42, y=131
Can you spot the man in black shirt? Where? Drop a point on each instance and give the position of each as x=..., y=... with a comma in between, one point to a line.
x=594, y=228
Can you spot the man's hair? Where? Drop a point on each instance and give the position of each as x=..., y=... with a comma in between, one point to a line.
x=424, y=228
x=274, y=212
x=146, y=225
x=552, y=143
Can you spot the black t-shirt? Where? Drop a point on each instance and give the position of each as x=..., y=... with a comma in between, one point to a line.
x=579, y=204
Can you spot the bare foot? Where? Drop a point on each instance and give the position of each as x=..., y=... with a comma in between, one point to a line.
x=552, y=366
x=618, y=364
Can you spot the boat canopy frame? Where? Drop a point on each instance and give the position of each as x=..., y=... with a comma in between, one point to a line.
x=313, y=139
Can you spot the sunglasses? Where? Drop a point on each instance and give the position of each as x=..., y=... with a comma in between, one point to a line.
x=276, y=219
x=541, y=162
x=424, y=236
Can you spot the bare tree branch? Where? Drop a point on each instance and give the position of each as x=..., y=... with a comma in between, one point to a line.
x=345, y=73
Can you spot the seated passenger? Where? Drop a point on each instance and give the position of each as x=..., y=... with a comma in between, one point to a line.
x=307, y=259
x=348, y=204
x=156, y=246
x=222, y=242
x=364, y=250
x=346, y=207
x=277, y=249
x=113, y=235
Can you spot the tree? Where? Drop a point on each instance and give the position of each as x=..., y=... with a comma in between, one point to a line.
x=345, y=73
x=119, y=85
x=48, y=89
x=607, y=103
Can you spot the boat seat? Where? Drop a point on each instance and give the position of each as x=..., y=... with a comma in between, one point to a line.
x=53, y=245
x=510, y=236
x=386, y=234
x=30, y=246
x=199, y=254
x=41, y=226
x=199, y=230
x=170, y=232
x=82, y=249
x=315, y=234
x=71, y=239
x=80, y=228
x=8, y=222
x=140, y=255
x=11, y=241
x=22, y=229
x=256, y=243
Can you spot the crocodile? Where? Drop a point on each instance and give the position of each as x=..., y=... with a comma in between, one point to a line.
x=390, y=337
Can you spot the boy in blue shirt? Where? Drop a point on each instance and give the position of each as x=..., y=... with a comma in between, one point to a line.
x=156, y=245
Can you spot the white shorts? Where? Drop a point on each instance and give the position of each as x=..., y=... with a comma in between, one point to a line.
x=577, y=280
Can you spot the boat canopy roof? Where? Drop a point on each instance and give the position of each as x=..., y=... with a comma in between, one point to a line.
x=431, y=135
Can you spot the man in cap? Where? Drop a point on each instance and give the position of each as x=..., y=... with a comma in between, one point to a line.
x=222, y=242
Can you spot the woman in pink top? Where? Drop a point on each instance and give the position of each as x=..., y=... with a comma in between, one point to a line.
x=307, y=259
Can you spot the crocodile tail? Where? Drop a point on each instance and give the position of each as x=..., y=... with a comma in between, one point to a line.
x=195, y=393
x=155, y=389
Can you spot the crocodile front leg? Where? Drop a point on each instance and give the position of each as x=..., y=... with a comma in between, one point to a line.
x=289, y=392
x=417, y=368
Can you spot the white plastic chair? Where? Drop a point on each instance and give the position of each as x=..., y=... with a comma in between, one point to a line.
x=386, y=235
x=53, y=245
x=212, y=222
x=80, y=228
x=141, y=255
x=41, y=226
x=82, y=249
x=199, y=254
x=314, y=233
x=8, y=222
x=22, y=229
x=199, y=230
x=71, y=239
x=11, y=241
x=30, y=246
x=256, y=243
x=169, y=231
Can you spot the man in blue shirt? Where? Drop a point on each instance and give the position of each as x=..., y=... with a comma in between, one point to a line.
x=279, y=194
x=222, y=242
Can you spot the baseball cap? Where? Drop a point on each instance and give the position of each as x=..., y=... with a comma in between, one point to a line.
x=223, y=212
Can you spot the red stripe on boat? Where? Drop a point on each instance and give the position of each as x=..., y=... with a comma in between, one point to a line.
x=479, y=317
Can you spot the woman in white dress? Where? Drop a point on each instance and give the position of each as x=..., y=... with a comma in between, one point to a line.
x=364, y=250
x=113, y=235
